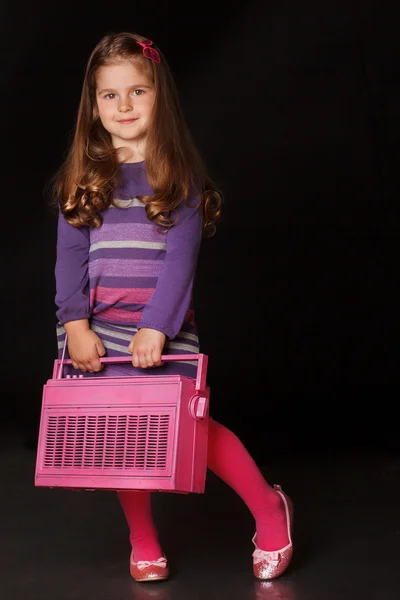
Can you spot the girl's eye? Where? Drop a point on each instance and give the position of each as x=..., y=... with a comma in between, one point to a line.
x=138, y=92
x=109, y=96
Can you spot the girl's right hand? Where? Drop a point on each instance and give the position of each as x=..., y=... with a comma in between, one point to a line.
x=85, y=348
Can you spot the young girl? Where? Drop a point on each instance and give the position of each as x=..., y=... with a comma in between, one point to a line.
x=134, y=203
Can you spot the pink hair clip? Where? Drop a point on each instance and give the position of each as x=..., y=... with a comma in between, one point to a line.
x=150, y=52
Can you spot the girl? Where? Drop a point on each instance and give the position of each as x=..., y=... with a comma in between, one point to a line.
x=134, y=202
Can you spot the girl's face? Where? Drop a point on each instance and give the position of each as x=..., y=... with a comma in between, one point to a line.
x=125, y=99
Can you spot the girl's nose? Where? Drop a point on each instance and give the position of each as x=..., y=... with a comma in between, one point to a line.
x=125, y=106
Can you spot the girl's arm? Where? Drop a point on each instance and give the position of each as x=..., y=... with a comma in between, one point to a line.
x=72, y=296
x=71, y=272
x=167, y=308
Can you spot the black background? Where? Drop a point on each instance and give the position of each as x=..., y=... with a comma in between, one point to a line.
x=295, y=106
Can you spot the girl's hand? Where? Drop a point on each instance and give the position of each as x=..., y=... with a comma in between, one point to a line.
x=85, y=348
x=146, y=347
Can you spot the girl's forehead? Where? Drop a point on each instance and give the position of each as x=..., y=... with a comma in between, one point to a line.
x=123, y=69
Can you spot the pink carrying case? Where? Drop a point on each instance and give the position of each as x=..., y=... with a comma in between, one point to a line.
x=124, y=433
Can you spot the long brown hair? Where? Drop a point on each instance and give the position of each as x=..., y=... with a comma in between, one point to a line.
x=85, y=183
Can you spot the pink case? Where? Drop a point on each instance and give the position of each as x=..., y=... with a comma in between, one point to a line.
x=124, y=433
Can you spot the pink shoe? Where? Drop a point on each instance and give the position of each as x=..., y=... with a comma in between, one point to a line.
x=149, y=570
x=269, y=565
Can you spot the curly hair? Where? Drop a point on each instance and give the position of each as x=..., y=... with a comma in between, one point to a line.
x=85, y=183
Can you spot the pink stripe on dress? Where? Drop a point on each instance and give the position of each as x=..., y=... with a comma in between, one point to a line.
x=119, y=316
x=128, y=295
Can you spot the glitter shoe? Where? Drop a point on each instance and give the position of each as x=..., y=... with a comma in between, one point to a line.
x=149, y=570
x=269, y=565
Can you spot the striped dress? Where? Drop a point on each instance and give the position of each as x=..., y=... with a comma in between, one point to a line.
x=128, y=274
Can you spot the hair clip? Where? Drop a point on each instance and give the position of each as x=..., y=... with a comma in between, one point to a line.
x=150, y=52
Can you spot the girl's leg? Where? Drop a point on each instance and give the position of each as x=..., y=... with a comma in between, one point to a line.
x=229, y=460
x=143, y=534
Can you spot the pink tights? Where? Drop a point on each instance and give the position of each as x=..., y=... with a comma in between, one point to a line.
x=229, y=460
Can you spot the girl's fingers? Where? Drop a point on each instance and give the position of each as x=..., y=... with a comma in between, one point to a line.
x=95, y=365
x=156, y=358
x=100, y=348
x=143, y=360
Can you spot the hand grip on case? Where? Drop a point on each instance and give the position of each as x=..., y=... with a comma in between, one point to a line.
x=202, y=363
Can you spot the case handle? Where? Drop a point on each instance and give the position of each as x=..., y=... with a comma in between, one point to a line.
x=202, y=363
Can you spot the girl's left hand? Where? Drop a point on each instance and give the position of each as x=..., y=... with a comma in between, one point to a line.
x=146, y=347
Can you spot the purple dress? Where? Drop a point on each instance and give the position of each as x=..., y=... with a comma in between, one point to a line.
x=128, y=274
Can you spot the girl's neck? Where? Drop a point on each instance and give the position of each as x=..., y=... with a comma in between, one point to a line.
x=127, y=155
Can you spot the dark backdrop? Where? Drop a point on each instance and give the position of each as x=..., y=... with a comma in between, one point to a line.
x=295, y=106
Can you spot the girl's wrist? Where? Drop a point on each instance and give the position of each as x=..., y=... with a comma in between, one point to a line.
x=76, y=326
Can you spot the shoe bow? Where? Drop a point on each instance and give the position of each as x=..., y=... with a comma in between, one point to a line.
x=271, y=558
x=161, y=562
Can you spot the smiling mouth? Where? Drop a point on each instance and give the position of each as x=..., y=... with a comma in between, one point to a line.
x=124, y=121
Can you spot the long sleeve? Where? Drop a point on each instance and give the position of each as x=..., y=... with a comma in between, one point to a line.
x=71, y=271
x=168, y=306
